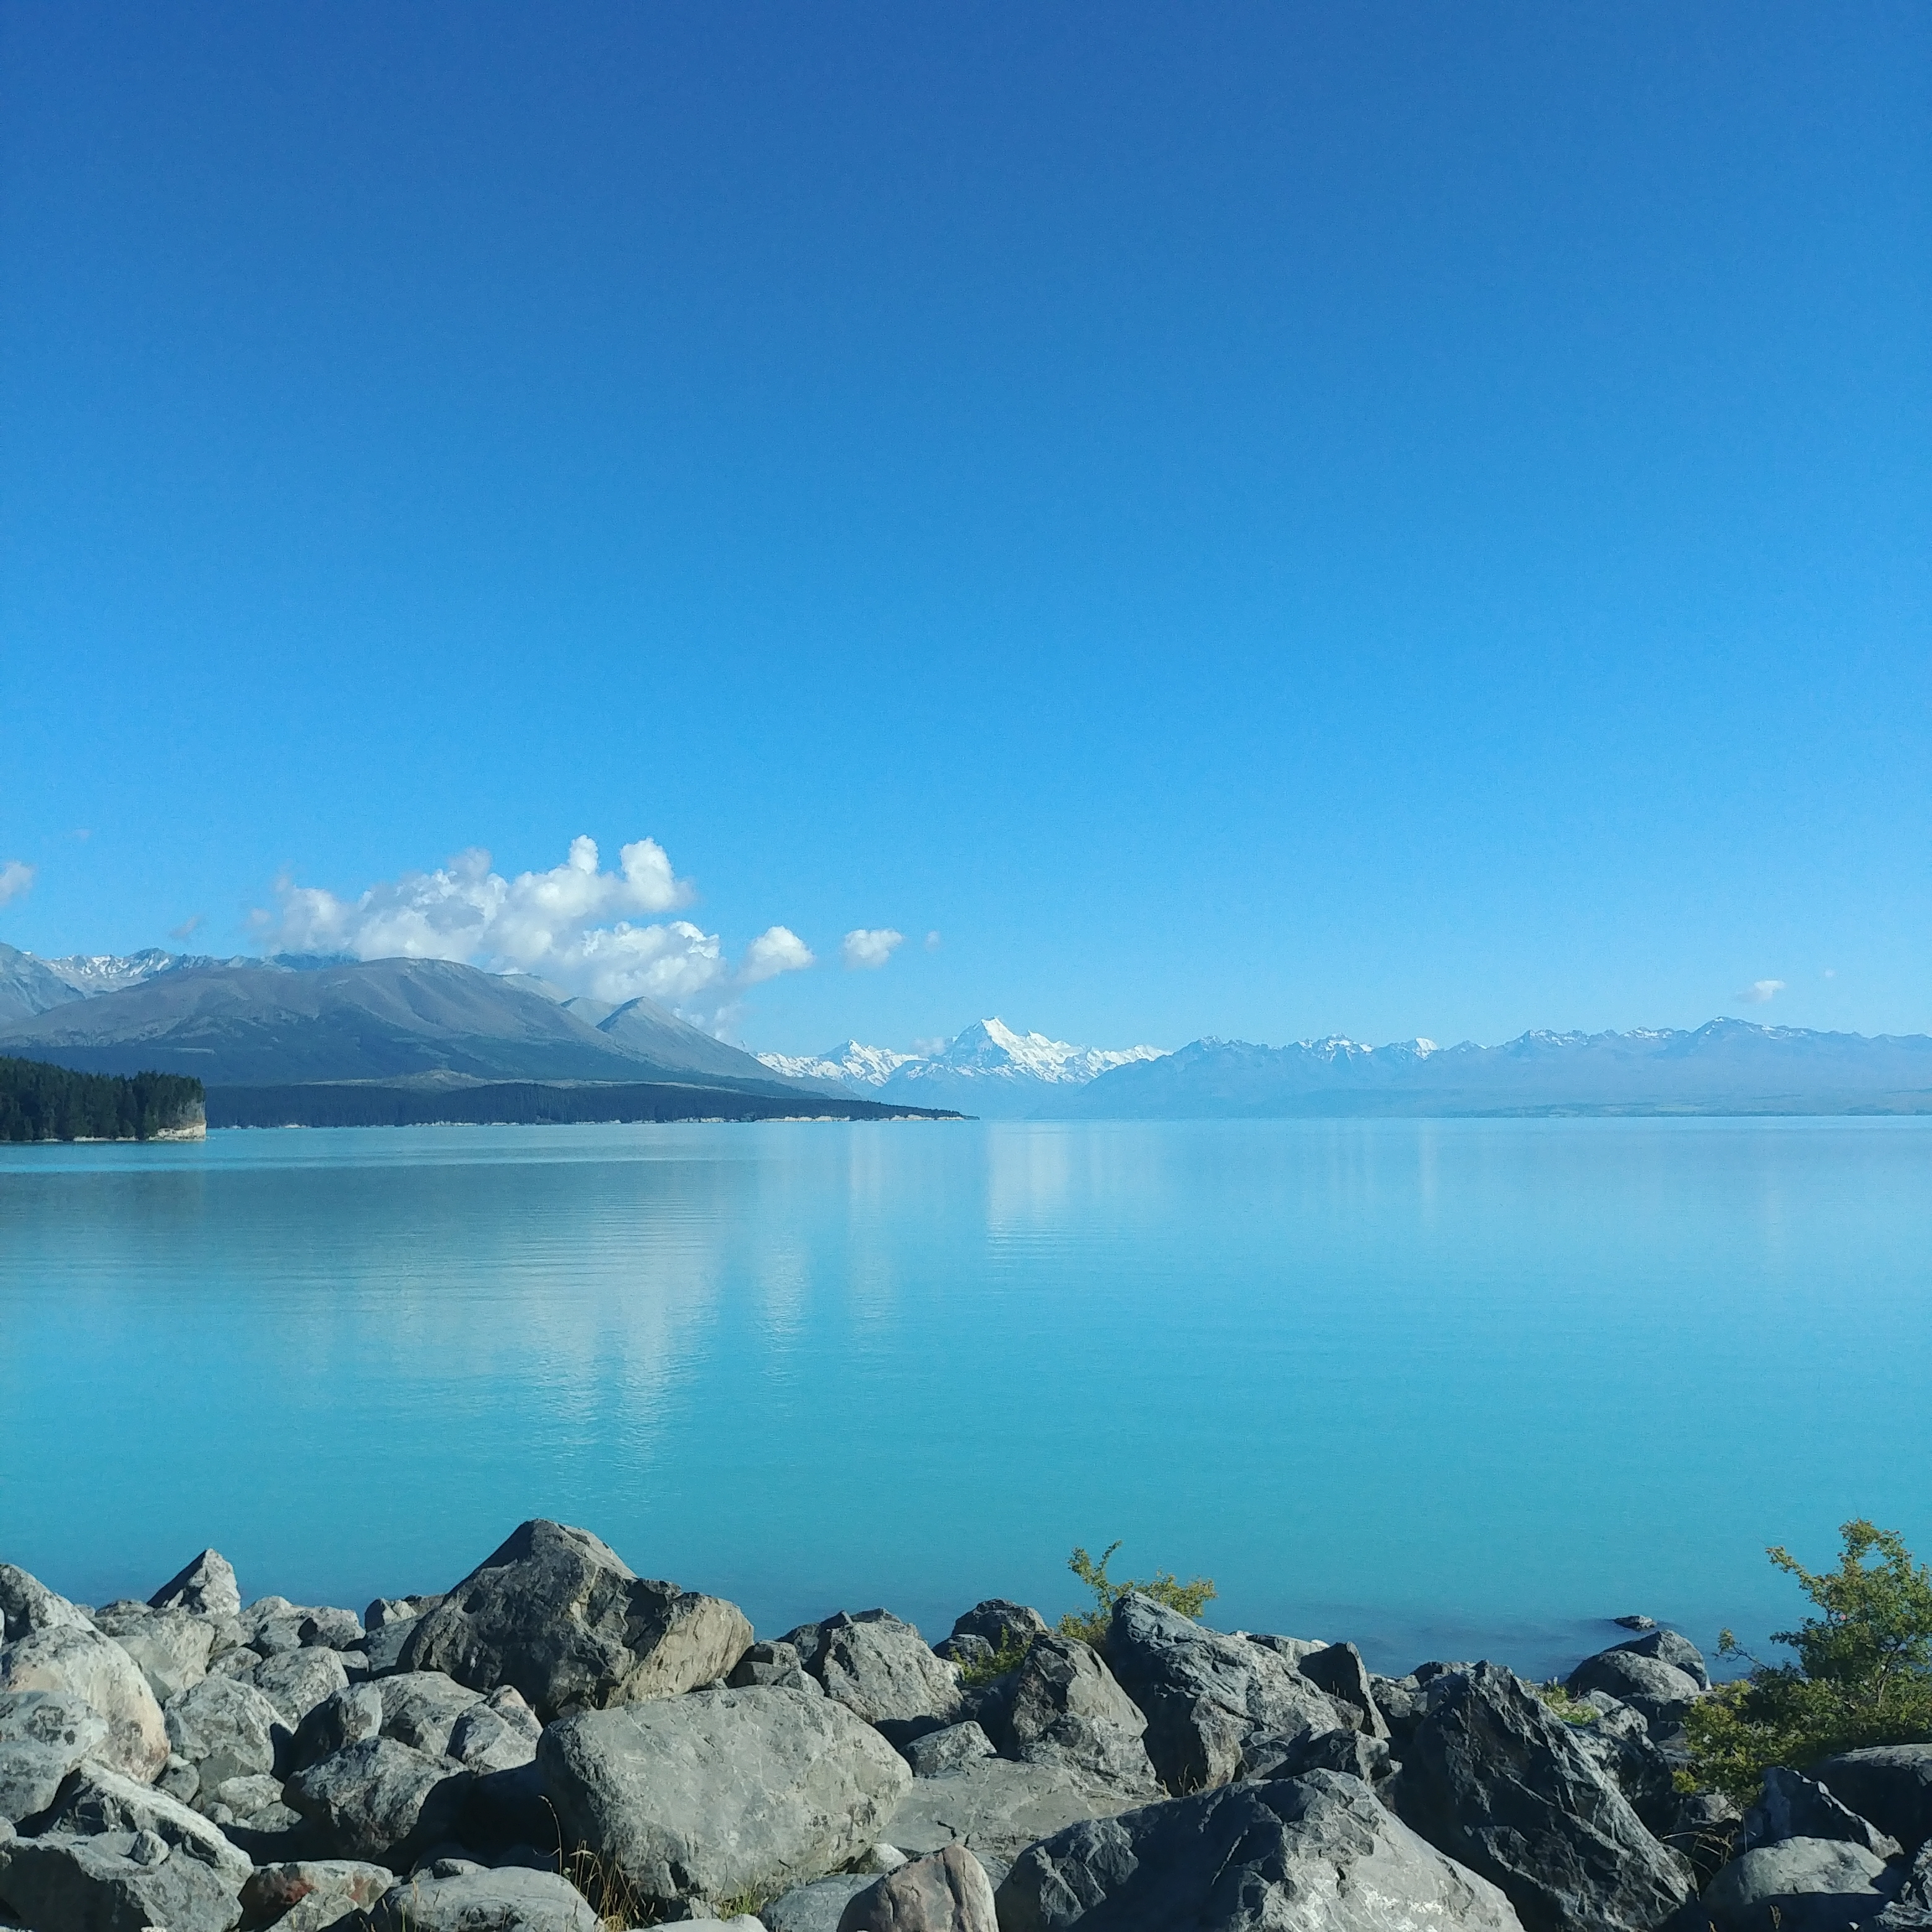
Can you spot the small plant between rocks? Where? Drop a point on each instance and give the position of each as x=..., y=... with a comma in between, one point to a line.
x=1010, y=1655
x=1560, y=1704
x=1089, y=1626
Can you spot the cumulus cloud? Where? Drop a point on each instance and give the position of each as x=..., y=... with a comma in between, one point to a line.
x=16, y=878
x=573, y=925
x=1761, y=992
x=778, y=950
x=869, y=948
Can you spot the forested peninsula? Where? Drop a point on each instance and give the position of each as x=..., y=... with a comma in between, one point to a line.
x=40, y=1102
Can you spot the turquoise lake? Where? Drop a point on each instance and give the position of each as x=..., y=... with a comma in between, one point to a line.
x=1450, y=1388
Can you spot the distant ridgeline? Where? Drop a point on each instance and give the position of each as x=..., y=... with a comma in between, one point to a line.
x=39, y=1103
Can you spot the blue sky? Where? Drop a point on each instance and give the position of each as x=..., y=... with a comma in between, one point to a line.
x=1262, y=520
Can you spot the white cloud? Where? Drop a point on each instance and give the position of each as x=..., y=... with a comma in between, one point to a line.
x=17, y=879
x=189, y=927
x=867, y=948
x=570, y=924
x=778, y=949
x=932, y=942
x=1761, y=992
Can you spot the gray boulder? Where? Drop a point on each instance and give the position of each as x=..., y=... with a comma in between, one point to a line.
x=722, y=1792
x=816, y=1907
x=170, y=1648
x=309, y=1894
x=1313, y=1854
x=421, y=1708
x=1911, y=1910
x=43, y=1736
x=497, y=1735
x=880, y=1669
x=380, y=1800
x=998, y=1807
x=1063, y=1705
x=1802, y=1885
x=1659, y=1690
x=117, y=1881
x=1267, y=1756
x=1492, y=1777
x=27, y=1605
x=1620, y=1745
x=205, y=1587
x=946, y=1891
x=1337, y=1669
x=1673, y=1647
x=1205, y=1693
x=555, y=1612
x=512, y=1899
x=1890, y=1784
x=100, y=1803
x=774, y=1663
x=991, y=1626
x=296, y=1680
x=1791, y=1806
x=326, y=1629
x=346, y=1718
x=82, y=1662
x=225, y=1729
x=933, y=1753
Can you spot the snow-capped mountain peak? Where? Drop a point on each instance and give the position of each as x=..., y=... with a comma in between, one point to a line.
x=856, y=1065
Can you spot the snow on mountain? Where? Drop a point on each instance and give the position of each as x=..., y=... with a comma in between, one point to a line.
x=89, y=974
x=988, y=1066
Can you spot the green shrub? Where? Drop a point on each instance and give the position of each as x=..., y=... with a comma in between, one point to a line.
x=1571, y=1710
x=1010, y=1655
x=1190, y=1599
x=1863, y=1676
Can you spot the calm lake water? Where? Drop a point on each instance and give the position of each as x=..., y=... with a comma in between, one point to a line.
x=1450, y=1388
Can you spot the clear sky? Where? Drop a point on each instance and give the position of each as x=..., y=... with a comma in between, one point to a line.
x=1259, y=520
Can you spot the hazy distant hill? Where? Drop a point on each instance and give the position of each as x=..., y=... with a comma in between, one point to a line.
x=262, y=1023
x=1727, y=1066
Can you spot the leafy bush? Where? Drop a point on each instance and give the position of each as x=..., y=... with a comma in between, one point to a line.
x=1190, y=1599
x=1863, y=1676
x=1571, y=1710
x=1010, y=1655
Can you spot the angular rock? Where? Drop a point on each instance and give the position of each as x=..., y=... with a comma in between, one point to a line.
x=100, y=1802
x=1671, y=1647
x=1495, y=1781
x=508, y=1900
x=170, y=1648
x=1620, y=1745
x=1063, y=1705
x=244, y=1799
x=205, y=1587
x=499, y=1734
x=27, y=1605
x=1794, y=1806
x=555, y=1612
x=346, y=1718
x=998, y=1807
x=122, y=1882
x=936, y=1752
x=880, y=1669
x=325, y=1890
x=1911, y=1910
x=95, y=1669
x=1338, y=1669
x=816, y=1907
x=1313, y=1854
x=722, y=1792
x=946, y=1891
x=380, y=1800
x=1205, y=1693
x=420, y=1708
x=991, y=1626
x=225, y=1729
x=1659, y=1690
x=1267, y=1756
x=1890, y=1784
x=296, y=1680
x=1802, y=1885
x=325, y=1629
x=43, y=1736
x=775, y=1663
x=270, y=1625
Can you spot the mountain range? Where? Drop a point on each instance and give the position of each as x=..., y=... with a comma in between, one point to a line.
x=251, y=1022
x=988, y=1070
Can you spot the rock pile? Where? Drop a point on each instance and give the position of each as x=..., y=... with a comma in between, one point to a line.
x=557, y=1744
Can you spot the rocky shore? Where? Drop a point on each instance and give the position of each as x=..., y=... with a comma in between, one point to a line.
x=557, y=1744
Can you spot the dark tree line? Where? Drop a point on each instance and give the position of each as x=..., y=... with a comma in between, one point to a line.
x=39, y=1103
